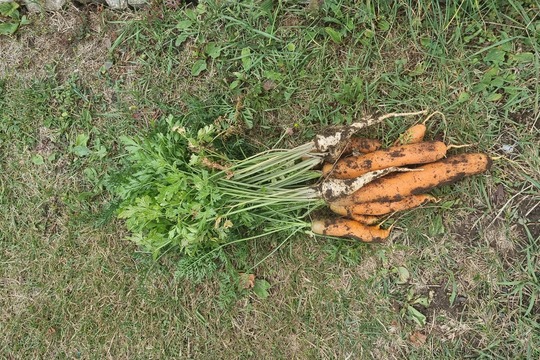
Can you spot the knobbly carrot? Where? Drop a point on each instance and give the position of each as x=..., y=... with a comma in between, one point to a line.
x=395, y=156
x=398, y=186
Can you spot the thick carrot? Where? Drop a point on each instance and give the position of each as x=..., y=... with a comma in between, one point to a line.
x=349, y=229
x=412, y=135
x=381, y=207
x=362, y=145
x=400, y=185
x=354, y=166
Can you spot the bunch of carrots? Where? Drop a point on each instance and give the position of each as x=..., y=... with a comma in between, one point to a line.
x=428, y=167
x=181, y=192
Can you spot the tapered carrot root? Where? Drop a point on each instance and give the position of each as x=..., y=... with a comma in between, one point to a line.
x=394, y=156
x=349, y=229
x=400, y=185
x=412, y=135
x=372, y=209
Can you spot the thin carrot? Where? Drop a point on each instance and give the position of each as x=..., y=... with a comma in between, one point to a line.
x=400, y=185
x=364, y=219
x=349, y=229
x=412, y=135
x=381, y=207
x=355, y=145
x=354, y=166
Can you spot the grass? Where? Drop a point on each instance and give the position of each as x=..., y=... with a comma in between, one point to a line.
x=73, y=82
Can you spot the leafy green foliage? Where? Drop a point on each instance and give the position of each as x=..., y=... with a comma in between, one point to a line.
x=166, y=200
x=261, y=288
x=10, y=18
x=179, y=191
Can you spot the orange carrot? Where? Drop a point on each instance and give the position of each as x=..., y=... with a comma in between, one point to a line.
x=349, y=229
x=354, y=166
x=363, y=145
x=381, y=207
x=412, y=135
x=400, y=185
x=364, y=219
x=355, y=145
x=327, y=168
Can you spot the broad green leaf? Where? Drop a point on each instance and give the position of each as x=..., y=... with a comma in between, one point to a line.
x=497, y=82
x=423, y=300
x=183, y=24
x=37, y=159
x=180, y=39
x=494, y=97
x=24, y=20
x=436, y=226
x=495, y=56
x=8, y=28
x=403, y=275
x=198, y=67
x=334, y=35
x=418, y=69
x=81, y=151
x=479, y=87
x=464, y=96
x=212, y=50
x=426, y=42
x=273, y=75
x=90, y=173
x=384, y=25
x=82, y=140
x=8, y=9
x=101, y=152
x=416, y=315
x=261, y=288
x=523, y=58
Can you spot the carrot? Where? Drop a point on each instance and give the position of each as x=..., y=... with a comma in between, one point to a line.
x=364, y=219
x=355, y=145
x=363, y=145
x=350, y=229
x=327, y=168
x=354, y=166
x=400, y=185
x=412, y=135
x=381, y=207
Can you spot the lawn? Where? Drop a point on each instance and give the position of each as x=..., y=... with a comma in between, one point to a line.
x=459, y=278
